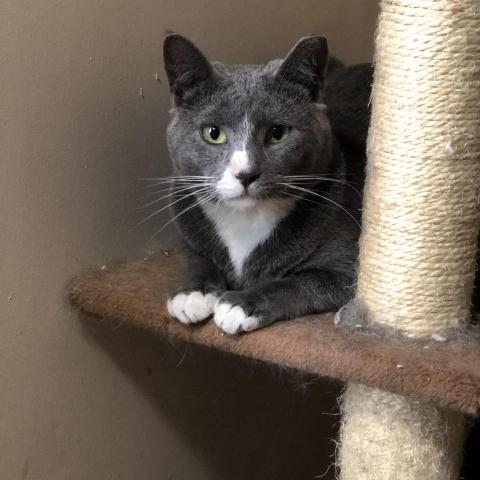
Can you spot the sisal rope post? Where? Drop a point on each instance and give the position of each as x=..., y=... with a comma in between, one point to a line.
x=420, y=226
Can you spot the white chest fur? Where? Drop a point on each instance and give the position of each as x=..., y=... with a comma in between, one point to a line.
x=242, y=230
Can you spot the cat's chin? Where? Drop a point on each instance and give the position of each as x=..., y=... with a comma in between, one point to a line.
x=241, y=203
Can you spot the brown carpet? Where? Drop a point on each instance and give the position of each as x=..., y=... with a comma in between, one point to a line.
x=447, y=374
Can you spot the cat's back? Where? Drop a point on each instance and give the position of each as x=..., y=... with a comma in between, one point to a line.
x=347, y=96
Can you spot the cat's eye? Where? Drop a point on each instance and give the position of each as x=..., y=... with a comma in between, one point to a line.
x=277, y=133
x=214, y=134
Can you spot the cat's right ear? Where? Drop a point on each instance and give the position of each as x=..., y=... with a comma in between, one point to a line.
x=306, y=63
x=185, y=64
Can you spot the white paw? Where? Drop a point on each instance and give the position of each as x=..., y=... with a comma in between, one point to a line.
x=191, y=307
x=233, y=319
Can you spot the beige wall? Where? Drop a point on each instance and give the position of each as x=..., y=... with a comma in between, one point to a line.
x=80, y=402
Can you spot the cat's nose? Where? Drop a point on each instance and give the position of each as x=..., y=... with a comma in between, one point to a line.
x=246, y=178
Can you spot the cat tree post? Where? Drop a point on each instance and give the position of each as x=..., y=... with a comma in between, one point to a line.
x=420, y=226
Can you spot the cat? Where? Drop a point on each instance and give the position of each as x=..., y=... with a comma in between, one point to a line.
x=268, y=165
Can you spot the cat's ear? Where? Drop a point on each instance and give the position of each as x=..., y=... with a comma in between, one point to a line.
x=185, y=64
x=306, y=63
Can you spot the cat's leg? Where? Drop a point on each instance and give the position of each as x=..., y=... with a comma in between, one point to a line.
x=295, y=296
x=194, y=301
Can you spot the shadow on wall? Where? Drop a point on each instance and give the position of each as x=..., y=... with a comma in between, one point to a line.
x=244, y=420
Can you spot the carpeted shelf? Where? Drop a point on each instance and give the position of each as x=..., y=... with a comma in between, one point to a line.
x=446, y=373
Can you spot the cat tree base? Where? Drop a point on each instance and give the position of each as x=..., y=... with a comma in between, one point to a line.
x=445, y=373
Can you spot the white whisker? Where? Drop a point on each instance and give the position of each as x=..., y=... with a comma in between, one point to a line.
x=174, y=178
x=196, y=204
x=180, y=181
x=310, y=179
x=172, y=203
x=316, y=176
x=176, y=192
x=162, y=190
x=173, y=189
x=306, y=190
x=299, y=197
x=169, y=182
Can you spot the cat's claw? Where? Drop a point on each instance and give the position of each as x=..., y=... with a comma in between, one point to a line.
x=191, y=307
x=233, y=319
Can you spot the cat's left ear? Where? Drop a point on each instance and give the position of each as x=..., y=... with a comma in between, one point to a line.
x=306, y=63
x=185, y=64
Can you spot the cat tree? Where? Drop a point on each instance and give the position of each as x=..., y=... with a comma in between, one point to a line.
x=420, y=226
x=409, y=386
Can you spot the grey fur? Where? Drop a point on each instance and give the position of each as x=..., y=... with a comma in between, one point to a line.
x=308, y=264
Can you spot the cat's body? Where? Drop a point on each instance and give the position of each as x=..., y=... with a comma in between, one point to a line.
x=271, y=228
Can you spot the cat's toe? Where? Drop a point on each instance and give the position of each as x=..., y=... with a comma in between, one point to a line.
x=233, y=319
x=192, y=307
x=198, y=306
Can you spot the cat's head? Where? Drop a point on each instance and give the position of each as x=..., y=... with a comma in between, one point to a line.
x=247, y=128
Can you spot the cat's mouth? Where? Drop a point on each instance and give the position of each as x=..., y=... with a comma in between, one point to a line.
x=241, y=201
x=248, y=198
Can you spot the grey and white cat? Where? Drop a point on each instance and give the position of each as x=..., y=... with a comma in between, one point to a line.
x=268, y=165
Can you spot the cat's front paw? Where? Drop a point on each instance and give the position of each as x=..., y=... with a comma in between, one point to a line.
x=191, y=307
x=234, y=319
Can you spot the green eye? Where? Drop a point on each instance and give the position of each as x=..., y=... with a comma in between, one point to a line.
x=214, y=134
x=277, y=133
